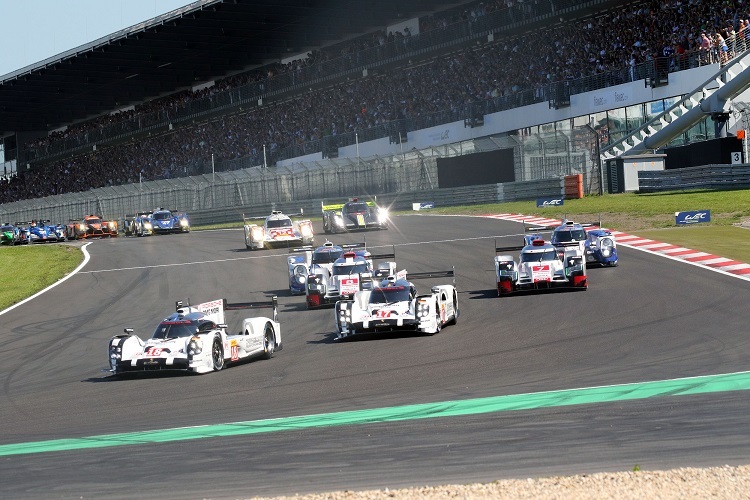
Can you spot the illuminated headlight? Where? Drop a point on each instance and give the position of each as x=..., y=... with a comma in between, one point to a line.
x=183, y=222
x=423, y=309
x=606, y=246
x=195, y=346
x=345, y=315
x=382, y=215
x=112, y=225
x=300, y=278
x=339, y=220
x=306, y=230
x=147, y=225
x=115, y=351
x=257, y=233
x=81, y=227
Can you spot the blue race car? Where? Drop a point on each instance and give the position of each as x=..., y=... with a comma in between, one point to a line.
x=167, y=221
x=598, y=245
x=43, y=231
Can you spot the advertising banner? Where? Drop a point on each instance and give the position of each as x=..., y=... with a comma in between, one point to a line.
x=549, y=202
x=693, y=217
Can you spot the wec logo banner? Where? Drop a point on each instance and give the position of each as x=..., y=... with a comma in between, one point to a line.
x=549, y=202
x=693, y=217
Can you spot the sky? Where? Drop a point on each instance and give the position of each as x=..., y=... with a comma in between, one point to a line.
x=33, y=30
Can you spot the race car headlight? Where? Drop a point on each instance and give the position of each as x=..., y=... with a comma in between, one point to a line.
x=305, y=229
x=82, y=227
x=115, y=351
x=257, y=233
x=423, y=309
x=147, y=225
x=300, y=278
x=195, y=346
x=606, y=247
x=183, y=222
x=382, y=215
x=345, y=315
x=338, y=219
x=112, y=225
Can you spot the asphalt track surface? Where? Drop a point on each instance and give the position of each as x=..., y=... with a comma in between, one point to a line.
x=649, y=320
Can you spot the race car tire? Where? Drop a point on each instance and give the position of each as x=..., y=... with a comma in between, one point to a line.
x=217, y=354
x=269, y=342
x=326, y=226
x=438, y=321
x=455, y=310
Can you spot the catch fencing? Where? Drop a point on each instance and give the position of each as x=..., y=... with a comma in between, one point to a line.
x=540, y=163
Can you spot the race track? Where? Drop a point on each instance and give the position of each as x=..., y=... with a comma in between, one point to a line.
x=647, y=321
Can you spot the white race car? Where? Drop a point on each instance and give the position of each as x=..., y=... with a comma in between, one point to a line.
x=277, y=229
x=395, y=306
x=540, y=266
x=352, y=272
x=307, y=260
x=195, y=339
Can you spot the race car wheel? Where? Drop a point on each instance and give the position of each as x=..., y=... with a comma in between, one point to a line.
x=326, y=227
x=269, y=342
x=438, y=321
x=455, y=310
x=217, y=355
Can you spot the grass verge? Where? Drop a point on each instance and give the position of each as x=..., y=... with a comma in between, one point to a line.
x=29, y=269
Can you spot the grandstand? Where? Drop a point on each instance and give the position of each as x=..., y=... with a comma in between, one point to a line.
x=225, y=85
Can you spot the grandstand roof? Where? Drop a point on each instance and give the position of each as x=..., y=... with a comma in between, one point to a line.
x=204, y=40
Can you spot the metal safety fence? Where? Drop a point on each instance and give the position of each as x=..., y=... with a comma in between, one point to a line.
x=540, y=162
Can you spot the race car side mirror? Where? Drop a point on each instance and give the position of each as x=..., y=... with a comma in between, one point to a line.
x=128, y=330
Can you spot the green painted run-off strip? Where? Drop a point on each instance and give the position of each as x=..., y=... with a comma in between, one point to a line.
x=605, y=394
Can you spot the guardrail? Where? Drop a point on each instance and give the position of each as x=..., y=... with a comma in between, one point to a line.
x=466, y=195
x=703, y=177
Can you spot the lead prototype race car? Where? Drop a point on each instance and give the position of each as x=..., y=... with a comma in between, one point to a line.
x=540, y=266
x=395, y=306
x=277, y=229
x=598, y=245
x=194, y=339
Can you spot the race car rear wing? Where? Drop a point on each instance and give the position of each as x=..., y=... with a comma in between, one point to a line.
x=272, y=304
x=450, y=273
x=338, y=204
x=345, y=247
x=263, y=217
x=516, y=248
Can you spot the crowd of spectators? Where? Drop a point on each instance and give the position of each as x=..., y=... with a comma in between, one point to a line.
x=620, y=39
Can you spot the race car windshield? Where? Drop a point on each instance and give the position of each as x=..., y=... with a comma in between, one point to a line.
x=93, y=220
x=326, y=257
x=356, y=207
x=346, y=269
x=389, y=295
x=547, y=255
x=279, y=223
x=175, y=329
x=162, y=216
x=566, y=236
x=6, y=228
